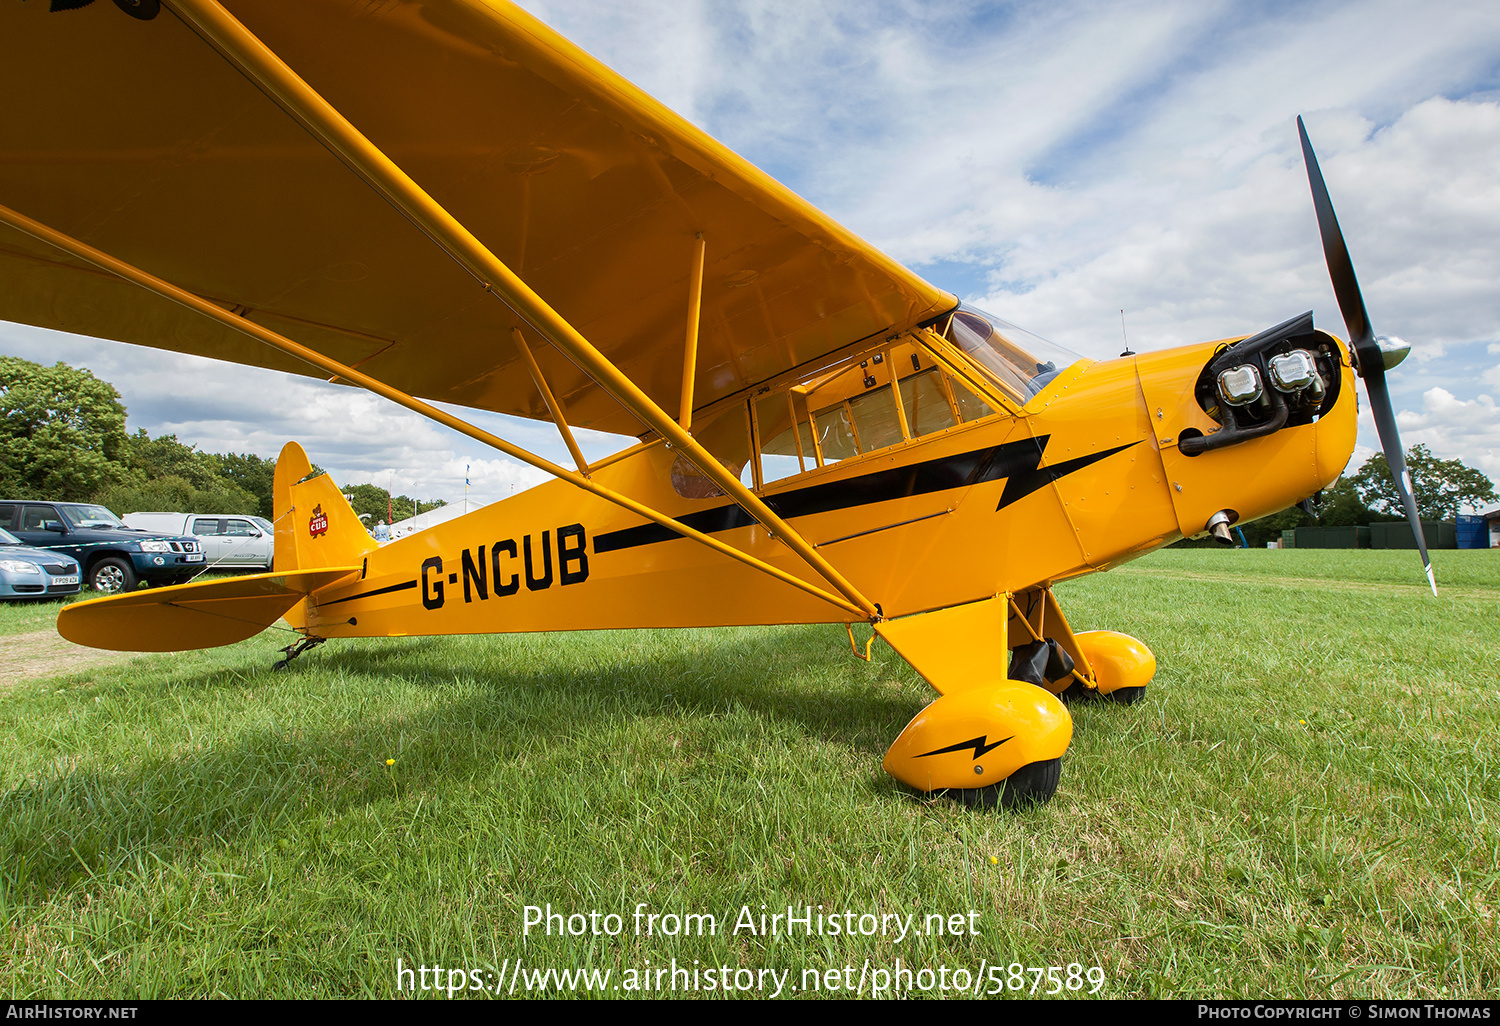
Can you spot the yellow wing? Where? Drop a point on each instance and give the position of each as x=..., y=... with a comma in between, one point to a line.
x=139, y=138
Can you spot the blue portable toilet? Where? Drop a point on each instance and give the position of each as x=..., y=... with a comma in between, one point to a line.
x=1473, y=532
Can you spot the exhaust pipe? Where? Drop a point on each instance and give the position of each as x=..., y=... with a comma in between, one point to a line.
x=1218, y=526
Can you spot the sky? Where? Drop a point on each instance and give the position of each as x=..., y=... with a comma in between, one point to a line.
x=1054, y=163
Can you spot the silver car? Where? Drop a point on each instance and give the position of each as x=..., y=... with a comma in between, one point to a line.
x=27, y=573
x=230, y=540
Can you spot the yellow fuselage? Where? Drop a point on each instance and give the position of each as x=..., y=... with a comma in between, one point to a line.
x=1085, y=476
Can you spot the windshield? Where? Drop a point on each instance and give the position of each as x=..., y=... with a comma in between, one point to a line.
x=6, y=538
x=1022, y=362
x=91, y=516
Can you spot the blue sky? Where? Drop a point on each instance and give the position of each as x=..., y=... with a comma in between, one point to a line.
x=1050, y=162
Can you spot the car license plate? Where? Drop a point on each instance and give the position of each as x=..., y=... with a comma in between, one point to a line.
x=194, y=557
x=65, y=580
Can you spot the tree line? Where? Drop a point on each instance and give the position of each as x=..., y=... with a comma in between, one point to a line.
x=1441, y=488
x=63, y=437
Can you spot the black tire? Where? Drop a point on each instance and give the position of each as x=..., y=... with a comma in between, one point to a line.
x=112, y=576
x=1076, y=692
x=1032, y=784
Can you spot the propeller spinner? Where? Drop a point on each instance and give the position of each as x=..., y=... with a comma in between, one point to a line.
x=1372, y=354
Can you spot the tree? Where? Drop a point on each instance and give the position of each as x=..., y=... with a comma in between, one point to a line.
x=62, y=431
x=369, y=501
x=164, y=456
x=375, y=504
x=166, y=475
x=254, y=475
x=138, y=494
x=1341, y=506
x=1441, y=487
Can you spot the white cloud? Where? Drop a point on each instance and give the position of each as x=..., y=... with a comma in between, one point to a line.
x=1446, y=425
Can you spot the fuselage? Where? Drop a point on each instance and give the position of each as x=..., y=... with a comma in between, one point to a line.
x=1085, y=474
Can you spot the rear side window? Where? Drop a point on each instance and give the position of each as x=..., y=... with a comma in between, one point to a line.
x=36, y=518
x=852, y=410
x=8, y=515
x=208, y=527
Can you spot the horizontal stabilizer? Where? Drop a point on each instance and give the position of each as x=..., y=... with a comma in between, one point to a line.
x=203, y=615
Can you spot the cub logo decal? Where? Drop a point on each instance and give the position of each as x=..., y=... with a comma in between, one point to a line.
x=319, y=522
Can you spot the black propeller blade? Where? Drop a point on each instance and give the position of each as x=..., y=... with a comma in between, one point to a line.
x=1368, y=355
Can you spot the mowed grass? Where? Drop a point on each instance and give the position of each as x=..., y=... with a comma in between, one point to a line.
x=1304, y=805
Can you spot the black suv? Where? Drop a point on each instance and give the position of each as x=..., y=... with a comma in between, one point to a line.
x=114, y=557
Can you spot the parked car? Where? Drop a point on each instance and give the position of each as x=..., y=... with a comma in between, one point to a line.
x=229, y=539
x=113, y=555
x=27, y=573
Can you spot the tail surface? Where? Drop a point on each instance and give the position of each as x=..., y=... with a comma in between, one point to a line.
x=315, y=525
x=319, y=540
x=202, y=615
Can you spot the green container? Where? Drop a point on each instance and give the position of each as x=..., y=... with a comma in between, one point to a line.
x=1326, y=538
x=1397, y=535
x=1333, y=537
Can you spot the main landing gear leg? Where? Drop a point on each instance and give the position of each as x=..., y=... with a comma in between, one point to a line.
x=1089, y=666
x=293, y=651
x=997, y=734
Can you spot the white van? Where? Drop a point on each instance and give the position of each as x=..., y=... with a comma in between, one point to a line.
x=229, y=539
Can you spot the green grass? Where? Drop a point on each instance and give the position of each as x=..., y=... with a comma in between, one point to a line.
x=1304, y=805
x=23, y=617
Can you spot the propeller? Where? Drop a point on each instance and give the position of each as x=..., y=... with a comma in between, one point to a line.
x=1372, y=354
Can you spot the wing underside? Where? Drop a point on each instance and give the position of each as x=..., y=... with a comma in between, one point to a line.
x=140, y=139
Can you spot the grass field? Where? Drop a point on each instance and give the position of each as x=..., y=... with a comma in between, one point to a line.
x=1304, y=805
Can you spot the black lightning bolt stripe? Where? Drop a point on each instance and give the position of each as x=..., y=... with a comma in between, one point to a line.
x=976, y=744
x=368, y=594
x=1016, y=461
x=1023, y=484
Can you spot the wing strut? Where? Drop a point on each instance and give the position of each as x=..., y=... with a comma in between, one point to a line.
x=166, y=290
x=553, y=406
x=242, y=48
x=695, y=313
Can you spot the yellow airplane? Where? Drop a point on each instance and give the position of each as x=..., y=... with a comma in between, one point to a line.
x=446, y=201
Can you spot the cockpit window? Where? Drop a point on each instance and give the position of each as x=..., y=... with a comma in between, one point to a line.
x=1019, y=361
x=854, y=409
x=907, y=388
